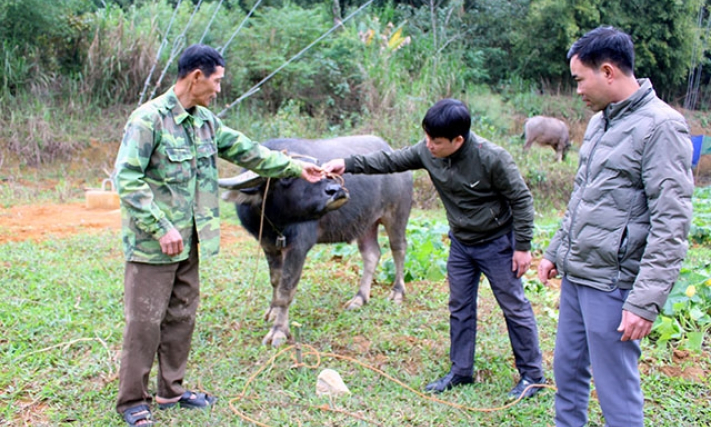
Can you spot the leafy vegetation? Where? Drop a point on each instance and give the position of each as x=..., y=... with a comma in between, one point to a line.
x=105, y=49
x=686, y=316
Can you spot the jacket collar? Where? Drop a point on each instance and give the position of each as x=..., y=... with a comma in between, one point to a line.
x=641, y=95
x=179, y=113
x=464, y=149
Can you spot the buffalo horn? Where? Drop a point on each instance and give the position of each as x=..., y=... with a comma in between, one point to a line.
x=246, y=179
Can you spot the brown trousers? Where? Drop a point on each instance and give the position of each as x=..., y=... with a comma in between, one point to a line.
x=160, y=303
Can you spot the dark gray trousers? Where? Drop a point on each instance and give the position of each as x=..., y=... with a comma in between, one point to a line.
x=464, y=268
x=160, y=304
x=587, y=335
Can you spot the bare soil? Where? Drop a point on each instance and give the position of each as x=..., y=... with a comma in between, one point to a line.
x=40, y=222
x=56, y=221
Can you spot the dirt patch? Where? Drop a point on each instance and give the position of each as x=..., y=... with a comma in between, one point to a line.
x=41, y=222
x=55, y=221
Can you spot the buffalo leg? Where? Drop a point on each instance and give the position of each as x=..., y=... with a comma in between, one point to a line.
x=291, y=267
x=276, y=261
x=558, y=155
x=370, y=252
x=398, y=247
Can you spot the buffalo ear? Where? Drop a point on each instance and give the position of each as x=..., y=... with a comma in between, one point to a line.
x=248, y=196
x=246, y=179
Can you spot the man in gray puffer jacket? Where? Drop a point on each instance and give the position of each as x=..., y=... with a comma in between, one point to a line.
x=623, y=237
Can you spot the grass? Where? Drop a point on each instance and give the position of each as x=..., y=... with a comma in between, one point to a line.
x=61, y=323
x=61, y=311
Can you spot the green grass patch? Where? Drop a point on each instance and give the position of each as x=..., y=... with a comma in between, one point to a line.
x=61, y=316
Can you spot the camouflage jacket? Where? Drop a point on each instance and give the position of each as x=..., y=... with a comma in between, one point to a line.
x=166, y=176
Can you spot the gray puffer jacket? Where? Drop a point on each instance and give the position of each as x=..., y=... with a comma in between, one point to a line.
x=630, y=210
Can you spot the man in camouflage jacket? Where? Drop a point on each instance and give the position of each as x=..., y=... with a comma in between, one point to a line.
x=166, y=176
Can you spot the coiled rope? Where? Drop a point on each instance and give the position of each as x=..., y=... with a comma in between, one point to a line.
x=320, y=355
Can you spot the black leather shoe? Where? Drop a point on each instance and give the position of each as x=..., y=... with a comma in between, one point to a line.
x=518, y=390
x=447, y=382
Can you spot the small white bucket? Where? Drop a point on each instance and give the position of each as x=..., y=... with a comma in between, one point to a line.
x=102, y=198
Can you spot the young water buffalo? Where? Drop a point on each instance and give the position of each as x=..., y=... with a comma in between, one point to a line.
x=297, y=215
x=547, y=131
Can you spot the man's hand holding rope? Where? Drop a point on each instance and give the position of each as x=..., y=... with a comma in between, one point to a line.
x=311, y=172
x=335, y=167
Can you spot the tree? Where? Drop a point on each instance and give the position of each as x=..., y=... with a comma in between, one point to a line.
x=545, y=35
x=664, y=33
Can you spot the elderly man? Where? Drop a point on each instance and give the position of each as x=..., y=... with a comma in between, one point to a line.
x=166, y=177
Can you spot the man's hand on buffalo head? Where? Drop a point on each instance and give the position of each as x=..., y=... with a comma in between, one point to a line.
x=311, y=172
x=335, y=166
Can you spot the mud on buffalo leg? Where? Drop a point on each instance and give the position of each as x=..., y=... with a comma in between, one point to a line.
x=558, y=155
x=370, y=252
x=292, y=263
x=275, y=259
x=398, y=247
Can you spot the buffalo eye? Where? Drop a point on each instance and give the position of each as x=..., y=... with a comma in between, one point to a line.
x=286, y=182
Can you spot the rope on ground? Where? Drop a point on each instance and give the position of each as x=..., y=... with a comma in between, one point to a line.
x=293, y=58
x=319, y=355
x=65, y=345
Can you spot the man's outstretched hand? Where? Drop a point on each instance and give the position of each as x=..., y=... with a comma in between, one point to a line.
x=311, y=172
x=335, y=166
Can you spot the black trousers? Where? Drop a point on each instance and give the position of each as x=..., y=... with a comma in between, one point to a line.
x=464, y=268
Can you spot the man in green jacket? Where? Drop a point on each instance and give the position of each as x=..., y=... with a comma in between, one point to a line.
x=490, y=213
x=623, y=237
x=166, y=176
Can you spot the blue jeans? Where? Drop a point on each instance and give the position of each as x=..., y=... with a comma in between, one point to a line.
x=587, y=335
x=464, y=268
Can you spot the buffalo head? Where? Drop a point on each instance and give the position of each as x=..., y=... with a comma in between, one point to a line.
x=289, y=200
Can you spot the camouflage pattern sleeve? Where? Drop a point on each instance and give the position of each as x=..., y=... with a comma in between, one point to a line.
x=235, y=147
x=136, y=196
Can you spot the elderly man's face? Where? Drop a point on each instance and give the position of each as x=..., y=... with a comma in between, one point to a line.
x=205, y=89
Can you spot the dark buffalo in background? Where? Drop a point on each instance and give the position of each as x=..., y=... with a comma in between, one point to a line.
x=299, y=214
x=547, y=131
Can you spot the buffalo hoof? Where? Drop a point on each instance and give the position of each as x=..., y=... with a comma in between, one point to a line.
x=275, y=337
x=396, y=297
x=356, y=303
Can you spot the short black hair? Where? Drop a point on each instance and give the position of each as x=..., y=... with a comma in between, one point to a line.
x=448, y=118
x=199, y=56
x=605, y=44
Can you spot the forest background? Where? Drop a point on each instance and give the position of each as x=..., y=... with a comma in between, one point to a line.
x=71, y=71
